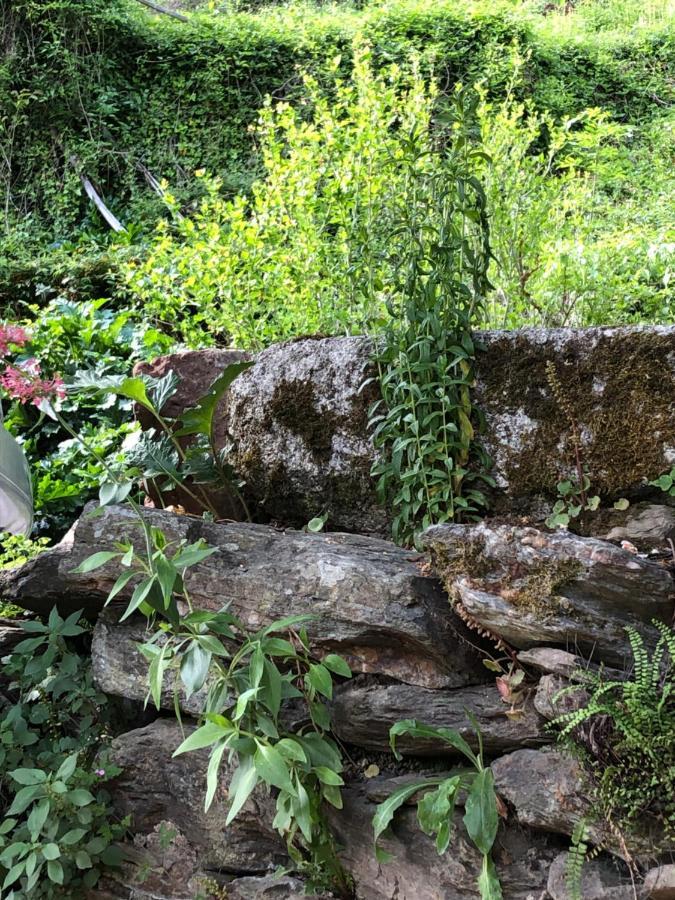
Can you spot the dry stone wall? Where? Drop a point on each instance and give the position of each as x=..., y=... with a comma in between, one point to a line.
x=296, y=423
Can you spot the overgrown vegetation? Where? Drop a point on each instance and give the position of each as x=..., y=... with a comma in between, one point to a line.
x=58, y=828
x=623, y=733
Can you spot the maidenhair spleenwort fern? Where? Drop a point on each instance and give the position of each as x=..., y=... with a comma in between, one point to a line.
x=625, y=736
x=576, y=858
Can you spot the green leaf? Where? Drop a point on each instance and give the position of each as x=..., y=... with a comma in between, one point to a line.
x=337, y=664
x=95, y=561
x=291, y=749
x=28, y=776
x=120, y=584
x=14, y=874
x=199, y=419
x=327, y=776
x=203, y=737
x=193, y=554
x=194, y=668
x=621, y=503
x=24, y=797
x=418, y=729
x=242, y=702
x=67, y=767
x=114, y=492
x=385, y=810
x=37, y=818
x=141, y=591
x=55, y=871
x=272, y=768
x=212, y=774
x=320, y=679
x=488, y=882
x=481, y=818
x=80, y=797
x=73, y=836
x=82, y=860
x=243, y=783
x=51, y=851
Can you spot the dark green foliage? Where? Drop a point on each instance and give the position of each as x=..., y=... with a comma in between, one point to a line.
x=58, y=827
x=625, y=735
x=103, y=86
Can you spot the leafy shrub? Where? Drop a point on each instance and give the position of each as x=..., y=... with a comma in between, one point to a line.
x=58, y=831
x=624, y=735
x=307, y=251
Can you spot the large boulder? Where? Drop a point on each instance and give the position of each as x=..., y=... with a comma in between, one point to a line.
x=296, y=422
x=370, y=599
x=531, y=587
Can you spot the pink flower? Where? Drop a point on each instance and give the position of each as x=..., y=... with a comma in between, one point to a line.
x=11, y=334
x=100, y=773
x=25, y=384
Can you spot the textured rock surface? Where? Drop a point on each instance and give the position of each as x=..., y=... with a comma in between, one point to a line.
x=417, y=872
x=533, y=587
x=646, y=525
x=297, y=420
x=544, y=787
x=371, y=601
x=659, y=883
x=154, y=787
x=364, y=712
x=601, y=879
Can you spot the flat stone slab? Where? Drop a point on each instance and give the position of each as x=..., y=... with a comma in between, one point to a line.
x=363, y=713
x=533, y=587
x=370, y=601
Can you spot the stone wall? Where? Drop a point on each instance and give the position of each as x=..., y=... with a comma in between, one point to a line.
x=297, y=424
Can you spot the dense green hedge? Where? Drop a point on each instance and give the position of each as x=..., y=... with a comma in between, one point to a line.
x=110, y=84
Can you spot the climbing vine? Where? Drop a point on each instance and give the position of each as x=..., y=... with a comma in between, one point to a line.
x=431, y=466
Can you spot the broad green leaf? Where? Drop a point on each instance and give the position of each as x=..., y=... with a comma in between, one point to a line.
x=114, y=492
x=203, y=737
x=14, y=874
x=82, y=860
x=320, y=679
x=95, y=561
x=55, y=871
x=37, y=818
x=243, y=783
x=194, y=668
x=302, y=811
x=480, y=817
x=73, y=836
x=337, y=664
x=291, y=749
x=199, y=419
x=80, y=797
x=51, y=851
x=28, y=776
x=67, y=767
x=16, y=494
x=488, y=882
x=242, y=702
x=272, y=768
x=327, y=776
x=385, y=810
x=24, y=797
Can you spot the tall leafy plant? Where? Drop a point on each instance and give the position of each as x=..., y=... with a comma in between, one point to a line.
x=425, y=424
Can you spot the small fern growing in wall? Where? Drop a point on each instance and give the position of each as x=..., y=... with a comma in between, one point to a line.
x=625, y=736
